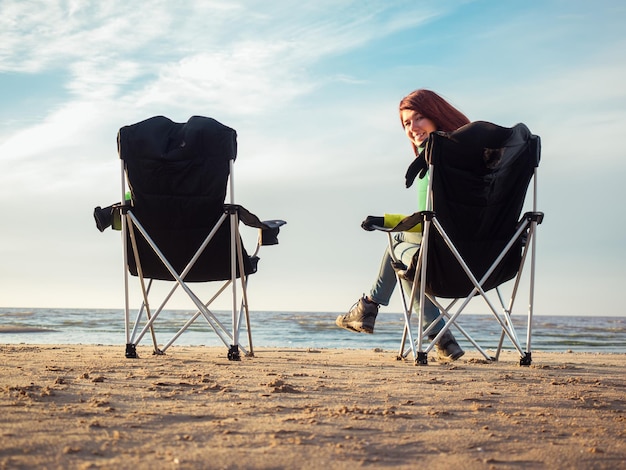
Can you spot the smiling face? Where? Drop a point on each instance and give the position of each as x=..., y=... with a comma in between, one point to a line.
x=416, y=126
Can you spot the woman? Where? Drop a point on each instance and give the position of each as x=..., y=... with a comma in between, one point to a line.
x=421, y=113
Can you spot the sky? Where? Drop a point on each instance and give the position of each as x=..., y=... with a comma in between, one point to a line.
x=312, y=89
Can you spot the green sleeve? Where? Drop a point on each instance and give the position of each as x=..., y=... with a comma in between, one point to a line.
x=391, y=220
x=422, y=192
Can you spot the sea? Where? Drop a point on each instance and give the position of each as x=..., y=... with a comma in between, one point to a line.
x=316, y=330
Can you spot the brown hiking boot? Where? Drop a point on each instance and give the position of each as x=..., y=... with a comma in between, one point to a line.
x=360, y=318
x=447, y=347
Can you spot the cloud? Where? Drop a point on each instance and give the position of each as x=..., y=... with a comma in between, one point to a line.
x=312, y=91
x=121, y=62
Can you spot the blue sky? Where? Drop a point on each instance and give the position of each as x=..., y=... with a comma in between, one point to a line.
x=312, y=89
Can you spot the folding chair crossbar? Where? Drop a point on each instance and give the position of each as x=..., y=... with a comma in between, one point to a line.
x=444, y=314
x=212, y=320
x=506, y=324
x=407, y=312
x=134, y=338
x=478, y=289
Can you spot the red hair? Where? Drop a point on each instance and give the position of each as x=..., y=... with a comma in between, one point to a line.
x=432, y=106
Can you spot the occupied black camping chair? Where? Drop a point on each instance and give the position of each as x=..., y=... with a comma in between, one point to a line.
x=177, y=227
x=475, y=237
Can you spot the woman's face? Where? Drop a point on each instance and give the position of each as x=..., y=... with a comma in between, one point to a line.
x=416, y=126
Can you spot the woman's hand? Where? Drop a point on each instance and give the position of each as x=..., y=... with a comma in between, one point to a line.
x=370, y=221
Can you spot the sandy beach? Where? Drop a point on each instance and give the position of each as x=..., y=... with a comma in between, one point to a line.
x=83, y=407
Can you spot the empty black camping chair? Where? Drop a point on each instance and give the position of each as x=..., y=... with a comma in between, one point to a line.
x=475, y=237
x=177, y=227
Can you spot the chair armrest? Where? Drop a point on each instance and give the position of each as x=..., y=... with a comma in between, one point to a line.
x=269, y=228
x=269, y=233
x=407, y=223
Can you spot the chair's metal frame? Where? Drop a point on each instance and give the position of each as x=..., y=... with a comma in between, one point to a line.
x=502, y=314
x=136, y=329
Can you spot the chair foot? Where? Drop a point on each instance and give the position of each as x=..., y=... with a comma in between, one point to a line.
x=158, y=352
x=422, y=359
x=526, y=359
x=233, y=353
x=131, y=351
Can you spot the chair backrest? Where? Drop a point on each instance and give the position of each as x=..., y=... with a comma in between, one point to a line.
x=178, y=176
x=480, y=177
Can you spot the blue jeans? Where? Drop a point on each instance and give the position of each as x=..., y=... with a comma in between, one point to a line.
x=405, y=245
